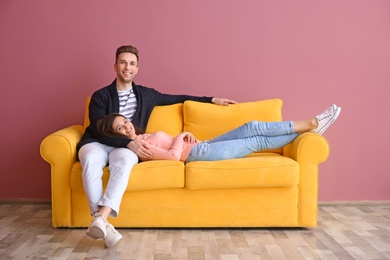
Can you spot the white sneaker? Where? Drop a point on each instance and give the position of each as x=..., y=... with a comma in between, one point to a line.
x=112, y=237
x=326, y=119
x=98, y=228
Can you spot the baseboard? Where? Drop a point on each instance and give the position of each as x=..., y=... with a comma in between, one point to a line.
x=320, y=204
x=355, y=203
x=24, y=201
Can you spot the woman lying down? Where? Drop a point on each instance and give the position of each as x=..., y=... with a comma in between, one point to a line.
x=253, y=136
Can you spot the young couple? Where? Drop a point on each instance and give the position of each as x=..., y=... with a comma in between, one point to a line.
x=116, y=144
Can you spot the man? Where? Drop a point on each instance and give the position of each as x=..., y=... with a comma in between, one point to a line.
x=136, y=102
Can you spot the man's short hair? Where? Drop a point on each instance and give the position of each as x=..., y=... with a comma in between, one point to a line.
x=126, y=48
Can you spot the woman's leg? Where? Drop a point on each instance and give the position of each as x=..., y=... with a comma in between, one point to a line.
x=257, y=128
x=256, y=136
x=305, y=125
x=244, y=140
x=237, y=148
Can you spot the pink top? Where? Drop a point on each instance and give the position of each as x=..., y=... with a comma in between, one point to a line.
x=166, y=147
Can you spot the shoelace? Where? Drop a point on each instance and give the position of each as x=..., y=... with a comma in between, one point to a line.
x=320, y=118
x=99, y=215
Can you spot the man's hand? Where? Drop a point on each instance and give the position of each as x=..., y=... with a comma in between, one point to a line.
x=139, y=147
x=223, y=101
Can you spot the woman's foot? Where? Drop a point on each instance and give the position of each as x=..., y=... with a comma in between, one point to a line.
x=326, y=119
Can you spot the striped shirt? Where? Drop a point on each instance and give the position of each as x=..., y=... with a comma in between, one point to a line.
x=127, y=103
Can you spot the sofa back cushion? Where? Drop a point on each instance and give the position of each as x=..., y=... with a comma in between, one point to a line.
x=207, y=121
x=86, y=118
x=163, y=118
x=166, y=118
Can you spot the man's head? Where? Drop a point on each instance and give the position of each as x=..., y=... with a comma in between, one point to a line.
x=126, y=65
x=126, y=48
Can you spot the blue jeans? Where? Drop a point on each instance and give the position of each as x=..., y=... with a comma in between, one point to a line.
x=251, y=137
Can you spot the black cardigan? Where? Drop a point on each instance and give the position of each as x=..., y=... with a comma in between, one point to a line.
x=105, y=101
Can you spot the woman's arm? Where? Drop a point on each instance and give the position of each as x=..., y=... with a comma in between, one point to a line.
x=175, y=149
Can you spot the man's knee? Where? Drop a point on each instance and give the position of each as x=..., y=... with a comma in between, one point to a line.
x=93, y=151
x=123, y=156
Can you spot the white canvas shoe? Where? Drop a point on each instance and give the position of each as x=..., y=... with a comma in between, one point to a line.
x=326, y=119
x=112, y=237
x=98, y=228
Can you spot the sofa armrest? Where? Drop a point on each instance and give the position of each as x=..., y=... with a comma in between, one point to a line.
x=308, y=147
x=309, y=150
x=60, y=146
x=59, y=150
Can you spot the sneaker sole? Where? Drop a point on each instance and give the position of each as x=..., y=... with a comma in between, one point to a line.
x=322, y=130
x=116, y=240
x=95, y=233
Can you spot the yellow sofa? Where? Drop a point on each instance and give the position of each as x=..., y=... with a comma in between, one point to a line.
x=275, y=188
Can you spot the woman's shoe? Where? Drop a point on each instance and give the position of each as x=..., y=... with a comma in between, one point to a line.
x=326, y=119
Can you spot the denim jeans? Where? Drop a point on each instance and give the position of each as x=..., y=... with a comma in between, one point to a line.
x=93, y=158
x=251, y=137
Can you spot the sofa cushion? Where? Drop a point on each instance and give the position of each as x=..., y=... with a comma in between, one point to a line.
x=166, y=118
x=207, y=121
x=150, y=175
x=262, y=170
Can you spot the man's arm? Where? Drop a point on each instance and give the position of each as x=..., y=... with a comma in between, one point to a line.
x=168, y=99
x=139, y=148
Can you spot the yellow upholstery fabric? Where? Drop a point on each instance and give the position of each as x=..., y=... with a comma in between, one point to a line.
x=209, y=121
x=269, y=189
x=166, y=118
x=144, y=176
x=86, y=117
x=260, y=171
x=266, y=207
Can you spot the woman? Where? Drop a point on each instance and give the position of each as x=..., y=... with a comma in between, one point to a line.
x=251, y=137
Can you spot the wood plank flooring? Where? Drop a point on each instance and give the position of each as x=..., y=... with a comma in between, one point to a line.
x=343, y=232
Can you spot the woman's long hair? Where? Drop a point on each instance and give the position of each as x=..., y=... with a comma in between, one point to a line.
x=104, y=126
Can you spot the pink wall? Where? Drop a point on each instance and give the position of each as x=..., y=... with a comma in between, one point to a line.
x=309, y=53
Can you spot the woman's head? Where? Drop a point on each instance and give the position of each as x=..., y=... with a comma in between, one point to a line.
x=116, y=125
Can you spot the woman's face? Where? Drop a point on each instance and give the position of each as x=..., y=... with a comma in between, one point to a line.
x=123, y=126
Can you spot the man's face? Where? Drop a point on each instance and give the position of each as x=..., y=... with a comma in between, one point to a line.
x=126, y=67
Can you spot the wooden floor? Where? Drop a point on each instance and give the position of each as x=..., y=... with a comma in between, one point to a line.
x=343, y=232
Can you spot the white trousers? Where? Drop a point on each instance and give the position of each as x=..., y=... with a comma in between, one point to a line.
x=93, y=158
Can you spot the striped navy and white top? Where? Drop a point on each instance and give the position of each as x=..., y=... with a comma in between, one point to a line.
x=127, y=103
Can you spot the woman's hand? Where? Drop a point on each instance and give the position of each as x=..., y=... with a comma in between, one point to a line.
x=189, y=137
